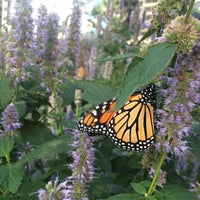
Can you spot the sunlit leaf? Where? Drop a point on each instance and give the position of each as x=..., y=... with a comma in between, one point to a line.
x=143, y=71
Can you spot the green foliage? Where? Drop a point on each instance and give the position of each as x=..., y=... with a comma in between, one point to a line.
x=196, y=114
x=46, y=149
x=144, y=70
x=123, y=197
x=123, y=56
x=140, y=189
x=93, y=91
x=6, y=146
x=11, y=177
x=175, y=192
x=6, y=92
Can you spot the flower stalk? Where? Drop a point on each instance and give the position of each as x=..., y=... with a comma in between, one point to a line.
x=156, y=175
x=187, y=17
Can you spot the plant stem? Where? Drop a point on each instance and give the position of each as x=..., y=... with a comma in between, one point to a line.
x=57, y=106
x=189, y=11
x=8, y=151
x=156, y=175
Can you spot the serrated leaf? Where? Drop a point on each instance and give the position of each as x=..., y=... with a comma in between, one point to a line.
x=11, y=177
x=124, y=196
x=58, y=145
x=175, y=192
x=6, y=92
x=6, y=146
x=143, y=71
x=140, y=189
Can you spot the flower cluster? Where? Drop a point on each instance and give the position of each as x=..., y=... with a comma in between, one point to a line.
x=165, y=12
x=180, y=92
x=54, y=191
x=185, y=34
x=47, y=46
x=181, y=95
x=74, y=34
x=82, y=167
x=10, y=119
x=20, y=43
x=91, y=64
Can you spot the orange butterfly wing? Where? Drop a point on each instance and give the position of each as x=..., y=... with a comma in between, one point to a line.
x=132, y=126
x=95, y=122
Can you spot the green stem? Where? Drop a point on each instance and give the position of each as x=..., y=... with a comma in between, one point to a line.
x=77, y=111
x=189, y=12
x=156, y=175
x=17, y=91
x=8, y=151
x=57, y=105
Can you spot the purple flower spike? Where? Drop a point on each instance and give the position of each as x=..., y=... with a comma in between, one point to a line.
x=10, y=119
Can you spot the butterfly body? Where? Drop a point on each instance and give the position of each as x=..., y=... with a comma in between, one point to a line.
x=131, y=127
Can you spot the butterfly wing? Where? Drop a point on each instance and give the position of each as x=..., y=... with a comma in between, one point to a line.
x=132, y=126
x=96, y=120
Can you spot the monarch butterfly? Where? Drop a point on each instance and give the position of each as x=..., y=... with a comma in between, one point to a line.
x=131, y=127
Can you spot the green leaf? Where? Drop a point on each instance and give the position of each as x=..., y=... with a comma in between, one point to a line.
x=9, y=198
x=134, y=162
x=21, y=108
x=175, y=192
x=196, y=114
x=93, y=91
x=117, y=57
x=11, y=177
x=6, y=146
x=147, y=34
x=140, y=189
x=123, y=196
x=150, y=198
x=193, y=143
x=146, y=183
x=35, y=132
x=143, y=71
x=98, y=188
x=67, y=95
x=58, y=145
x=28, y=189
x=6, y=92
